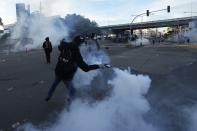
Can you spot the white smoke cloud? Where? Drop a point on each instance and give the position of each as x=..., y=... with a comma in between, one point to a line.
x=190, y=113
x=1, y=27
x=140, y=41
x=35, y=28
x=192, y=33
x=182, y=36
x=193, y=118
x=91, y=55
x=123, y=109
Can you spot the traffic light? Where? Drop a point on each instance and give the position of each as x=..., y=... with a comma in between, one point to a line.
x=168, y=9
x=147, y=13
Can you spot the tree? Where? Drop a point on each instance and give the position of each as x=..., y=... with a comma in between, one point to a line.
x=1, y=23
x=81, y=25
x=170, y=32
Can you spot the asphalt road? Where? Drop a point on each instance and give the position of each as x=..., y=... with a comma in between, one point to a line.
x=25, y=78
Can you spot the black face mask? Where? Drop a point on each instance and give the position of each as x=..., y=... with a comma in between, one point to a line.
x=79, y=40
x=82, y=39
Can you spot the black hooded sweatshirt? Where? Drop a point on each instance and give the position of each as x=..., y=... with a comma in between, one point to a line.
x=76, y=60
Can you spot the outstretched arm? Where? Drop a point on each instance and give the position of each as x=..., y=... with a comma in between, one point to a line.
x=80, y=62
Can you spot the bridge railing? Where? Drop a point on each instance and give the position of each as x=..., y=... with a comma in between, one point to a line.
x=150, y=22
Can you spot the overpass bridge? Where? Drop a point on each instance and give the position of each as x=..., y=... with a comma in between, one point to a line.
x=149, y=24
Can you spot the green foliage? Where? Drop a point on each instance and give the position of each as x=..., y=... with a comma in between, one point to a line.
x=170, y=32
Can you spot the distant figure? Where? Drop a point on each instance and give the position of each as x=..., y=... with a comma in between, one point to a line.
x=69, y=60
x=93, y=40
x=153, y=42
x=48, y=49
x=188, y=40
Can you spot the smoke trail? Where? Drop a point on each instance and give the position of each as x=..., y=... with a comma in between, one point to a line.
x=122, y=109
x=32, y=30
x=183, y=35
x=91, y=55
x=140, y=41
x=192, y=32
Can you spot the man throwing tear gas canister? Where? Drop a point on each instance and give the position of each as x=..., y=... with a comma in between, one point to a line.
x=69, y=60
x=47, y=49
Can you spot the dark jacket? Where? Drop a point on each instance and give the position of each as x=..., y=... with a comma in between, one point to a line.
x=77, y=61
x=47, y=46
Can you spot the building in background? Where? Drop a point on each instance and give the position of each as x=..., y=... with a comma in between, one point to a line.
x=21, y=11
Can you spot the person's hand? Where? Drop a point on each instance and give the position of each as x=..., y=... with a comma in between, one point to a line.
x=102, y=66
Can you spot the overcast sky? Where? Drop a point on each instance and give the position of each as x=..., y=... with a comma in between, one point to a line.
x=104, y=12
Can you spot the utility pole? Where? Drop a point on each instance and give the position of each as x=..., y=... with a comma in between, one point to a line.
x=40, y=7
x=191, y=9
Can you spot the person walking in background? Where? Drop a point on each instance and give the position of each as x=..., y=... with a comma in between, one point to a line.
x=188, y=40
x=153, y=41
x=94, y=40
x=48, y=49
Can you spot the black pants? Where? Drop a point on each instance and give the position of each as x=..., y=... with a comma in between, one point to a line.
x=48, y=56
x=68, y=84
